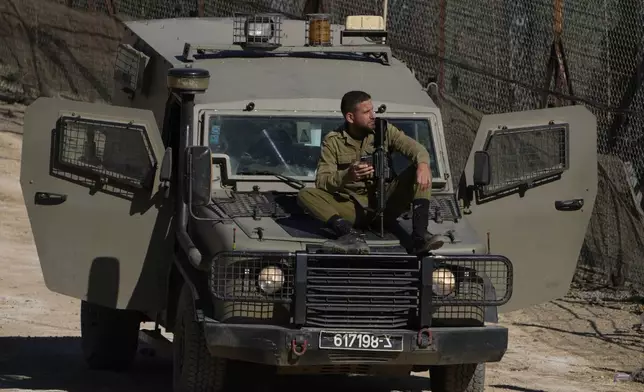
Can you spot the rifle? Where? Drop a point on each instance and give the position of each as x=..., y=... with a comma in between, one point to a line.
x=381, y=170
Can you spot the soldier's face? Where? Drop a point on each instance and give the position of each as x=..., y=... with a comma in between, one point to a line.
x=363, y=116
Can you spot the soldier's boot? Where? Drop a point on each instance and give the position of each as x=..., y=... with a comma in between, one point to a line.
x=423, y=241
x=348, y=241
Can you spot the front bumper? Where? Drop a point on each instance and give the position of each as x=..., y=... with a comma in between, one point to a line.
x=283, y=347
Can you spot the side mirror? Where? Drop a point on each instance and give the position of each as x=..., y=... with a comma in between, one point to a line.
x=200, y=175
x=482, y=168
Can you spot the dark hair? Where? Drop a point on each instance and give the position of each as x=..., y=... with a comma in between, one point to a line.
x=352, y=99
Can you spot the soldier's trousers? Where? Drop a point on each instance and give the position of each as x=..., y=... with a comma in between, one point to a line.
x=399, y=195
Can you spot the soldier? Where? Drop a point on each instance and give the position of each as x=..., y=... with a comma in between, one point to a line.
x=344, y=185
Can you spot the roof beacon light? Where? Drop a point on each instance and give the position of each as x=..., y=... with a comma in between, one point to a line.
x=257, y=30
x=370, y=27
x=188, y=80
x=319, y=29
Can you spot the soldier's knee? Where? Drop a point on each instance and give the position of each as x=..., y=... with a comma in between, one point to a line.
x=303, y=195
x=306, y=196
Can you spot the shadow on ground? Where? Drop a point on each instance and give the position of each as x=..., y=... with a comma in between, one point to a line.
x=506, y=387
x=55, y=363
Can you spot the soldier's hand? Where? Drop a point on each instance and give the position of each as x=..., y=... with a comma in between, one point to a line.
x=423, y=176
x=359, y=171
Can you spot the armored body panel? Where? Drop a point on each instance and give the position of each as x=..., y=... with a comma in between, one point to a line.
x=535, y=210
x=89, y=176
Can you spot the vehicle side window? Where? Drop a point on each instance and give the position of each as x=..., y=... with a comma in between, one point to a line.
x=119, y=152
x=528, y=154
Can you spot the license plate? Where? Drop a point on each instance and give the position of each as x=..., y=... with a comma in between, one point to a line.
x=363, y=341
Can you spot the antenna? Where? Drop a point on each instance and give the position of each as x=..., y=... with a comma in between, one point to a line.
x=384, y=13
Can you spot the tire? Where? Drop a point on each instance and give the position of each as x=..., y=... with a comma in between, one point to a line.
x=109, y=337
x=457, y=378
x=194, y=368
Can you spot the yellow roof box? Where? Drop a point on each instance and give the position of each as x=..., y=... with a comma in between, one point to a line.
x=365, y=23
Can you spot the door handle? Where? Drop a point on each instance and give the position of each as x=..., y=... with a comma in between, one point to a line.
x=49, y=199
x=569, y=205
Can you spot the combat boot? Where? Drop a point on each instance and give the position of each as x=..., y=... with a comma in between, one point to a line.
x=423, y=241
x=348, y=241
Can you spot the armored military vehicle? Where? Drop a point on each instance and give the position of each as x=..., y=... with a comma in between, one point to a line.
x=176, y=205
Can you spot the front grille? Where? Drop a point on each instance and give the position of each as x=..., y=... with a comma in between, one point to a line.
x=357, y=292
x=375, y=291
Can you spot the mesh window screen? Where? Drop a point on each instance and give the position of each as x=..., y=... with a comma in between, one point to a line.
x=116, y=151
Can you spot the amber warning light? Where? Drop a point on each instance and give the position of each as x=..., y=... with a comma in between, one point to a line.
x=319, y=29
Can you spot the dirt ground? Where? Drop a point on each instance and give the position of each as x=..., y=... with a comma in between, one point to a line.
x=567, y=345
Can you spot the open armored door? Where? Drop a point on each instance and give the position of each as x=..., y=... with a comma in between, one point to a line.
x=90, y=184
x=537, y=205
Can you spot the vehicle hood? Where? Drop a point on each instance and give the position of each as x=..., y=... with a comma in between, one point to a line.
x=276, y=217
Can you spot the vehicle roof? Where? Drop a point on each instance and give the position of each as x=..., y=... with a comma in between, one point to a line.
x=242, y=78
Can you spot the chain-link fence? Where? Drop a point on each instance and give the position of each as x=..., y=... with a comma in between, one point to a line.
x=493, y=57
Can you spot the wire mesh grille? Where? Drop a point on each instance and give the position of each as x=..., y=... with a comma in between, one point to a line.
x=128, y=66
x=481, y=280
x=318, y=31
x=386, y=292
x=367, y=292
x=253, y=277
x=525, y=155
x=257, y=30
x=110, y=150
x=251, y=204
x=444, y=208
x=463, y=287
x=141, y=9
x=491, y=57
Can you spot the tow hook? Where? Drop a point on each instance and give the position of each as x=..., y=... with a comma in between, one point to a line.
x=424, y=338
x=298, y=346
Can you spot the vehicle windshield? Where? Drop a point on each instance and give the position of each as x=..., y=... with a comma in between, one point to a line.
x=258, y=145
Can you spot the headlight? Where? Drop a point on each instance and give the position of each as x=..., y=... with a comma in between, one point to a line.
x=443, y=281
x=270, y=279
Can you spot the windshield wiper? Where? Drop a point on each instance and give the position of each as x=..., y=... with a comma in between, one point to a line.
x=294, y=182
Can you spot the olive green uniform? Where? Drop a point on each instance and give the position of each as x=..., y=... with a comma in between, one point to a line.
x=336, y=195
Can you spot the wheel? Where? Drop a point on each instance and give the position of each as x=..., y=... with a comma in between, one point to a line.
x=457, y=378
x=194, y=368
x=109, y=337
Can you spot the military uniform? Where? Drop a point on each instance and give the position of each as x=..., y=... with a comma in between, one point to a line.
x=335, y=196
